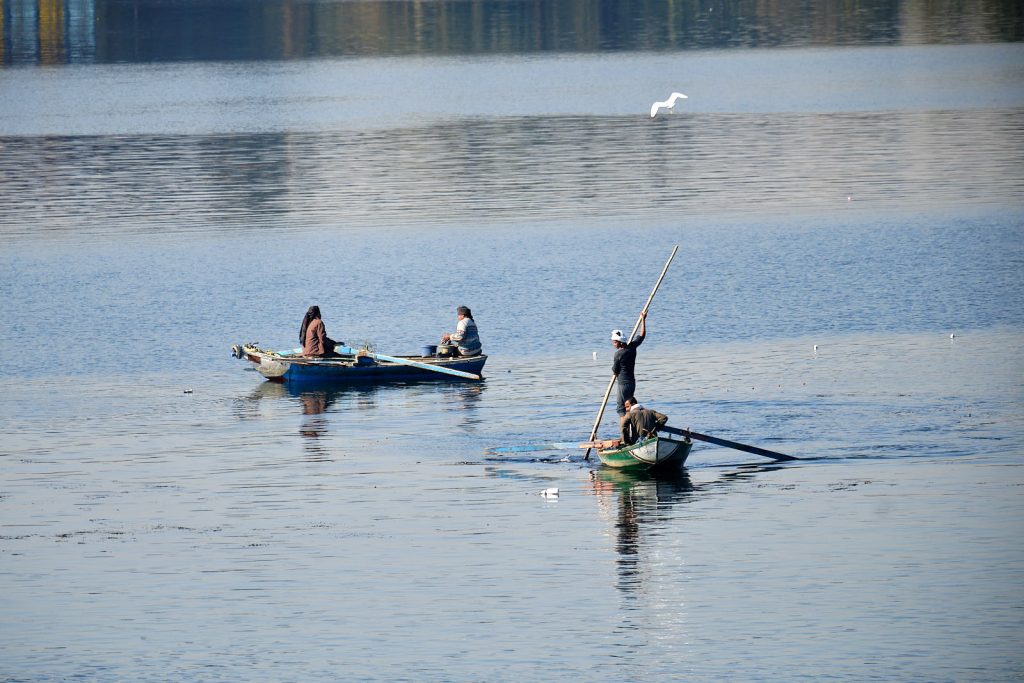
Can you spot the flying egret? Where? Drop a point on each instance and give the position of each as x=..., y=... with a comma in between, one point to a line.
x=668, y=104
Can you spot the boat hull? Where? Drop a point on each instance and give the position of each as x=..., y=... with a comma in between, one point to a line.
x=656, y=452
x=295, y=369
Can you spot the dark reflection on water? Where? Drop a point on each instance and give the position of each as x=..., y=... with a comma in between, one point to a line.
x=316, y=405
x=639, y=499
x=108, y=31
x=313, y=404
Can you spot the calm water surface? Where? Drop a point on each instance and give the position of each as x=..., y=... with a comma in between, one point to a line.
x=244, y=530
x=845, y=180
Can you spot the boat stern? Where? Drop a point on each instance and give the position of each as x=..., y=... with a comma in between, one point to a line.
x=268, y=365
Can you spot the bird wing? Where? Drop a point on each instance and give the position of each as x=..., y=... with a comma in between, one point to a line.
x=658, y=105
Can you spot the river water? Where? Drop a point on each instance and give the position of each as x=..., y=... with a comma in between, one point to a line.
x=846, y=189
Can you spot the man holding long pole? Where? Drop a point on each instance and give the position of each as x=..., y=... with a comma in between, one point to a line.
x=618, y=373
x=625, y=361
x=640, y=322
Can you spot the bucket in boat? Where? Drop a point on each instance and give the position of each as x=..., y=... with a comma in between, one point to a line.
x=445, y=350
x=428, y=350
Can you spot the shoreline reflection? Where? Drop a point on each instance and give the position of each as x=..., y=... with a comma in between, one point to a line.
x=141, y=31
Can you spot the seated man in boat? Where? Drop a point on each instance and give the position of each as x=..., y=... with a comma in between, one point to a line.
x=313, y=336
x=640, y=423
x=465, y=335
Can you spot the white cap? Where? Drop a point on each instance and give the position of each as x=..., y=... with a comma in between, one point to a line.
x=617, y=336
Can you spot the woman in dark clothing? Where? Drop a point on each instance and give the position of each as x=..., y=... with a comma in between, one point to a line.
x=313, y=335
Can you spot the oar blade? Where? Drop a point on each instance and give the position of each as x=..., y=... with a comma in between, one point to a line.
x=718, y=441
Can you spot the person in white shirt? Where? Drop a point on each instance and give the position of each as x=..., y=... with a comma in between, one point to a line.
x=465, y=335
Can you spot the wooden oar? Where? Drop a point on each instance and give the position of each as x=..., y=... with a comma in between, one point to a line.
x=608, y=391
x=729, y=444
x=425, y=366
x=410, y=363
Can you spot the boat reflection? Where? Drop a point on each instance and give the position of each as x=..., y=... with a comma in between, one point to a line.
x=465, y=397
x=314, y=405
x=314, y=421
x=633, y=500
x=321, y=406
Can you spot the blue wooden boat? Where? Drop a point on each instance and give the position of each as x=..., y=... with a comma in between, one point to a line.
x=357, y=365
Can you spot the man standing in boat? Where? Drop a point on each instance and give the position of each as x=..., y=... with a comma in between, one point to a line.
x=465, y=335
x=625, y=359
x=640, y=423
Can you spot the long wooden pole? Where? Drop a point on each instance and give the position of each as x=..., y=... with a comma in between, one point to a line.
x=608, y=391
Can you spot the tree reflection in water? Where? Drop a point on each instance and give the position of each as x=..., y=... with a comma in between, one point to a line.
x=141, y=31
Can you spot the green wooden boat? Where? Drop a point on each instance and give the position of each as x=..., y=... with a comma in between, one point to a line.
x=655, y=452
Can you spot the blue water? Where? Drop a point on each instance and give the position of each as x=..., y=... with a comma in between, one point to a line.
x=849, y=289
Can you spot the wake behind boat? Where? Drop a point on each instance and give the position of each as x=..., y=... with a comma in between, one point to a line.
x=357, y=365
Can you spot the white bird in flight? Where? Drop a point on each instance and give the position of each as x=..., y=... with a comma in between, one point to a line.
x=668, y=104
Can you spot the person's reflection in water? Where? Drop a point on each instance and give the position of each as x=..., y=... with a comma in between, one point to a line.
x=316, y=403
x=640, y=497
x=627, y=542
x=314, y=422
x=466, y=397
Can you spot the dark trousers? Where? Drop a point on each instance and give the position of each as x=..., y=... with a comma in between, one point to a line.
x=627, y=385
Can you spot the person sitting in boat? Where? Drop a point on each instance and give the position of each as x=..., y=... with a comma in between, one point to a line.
x=624, y=362
x=640, y=423
x=465, y=335
x=313, y=336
